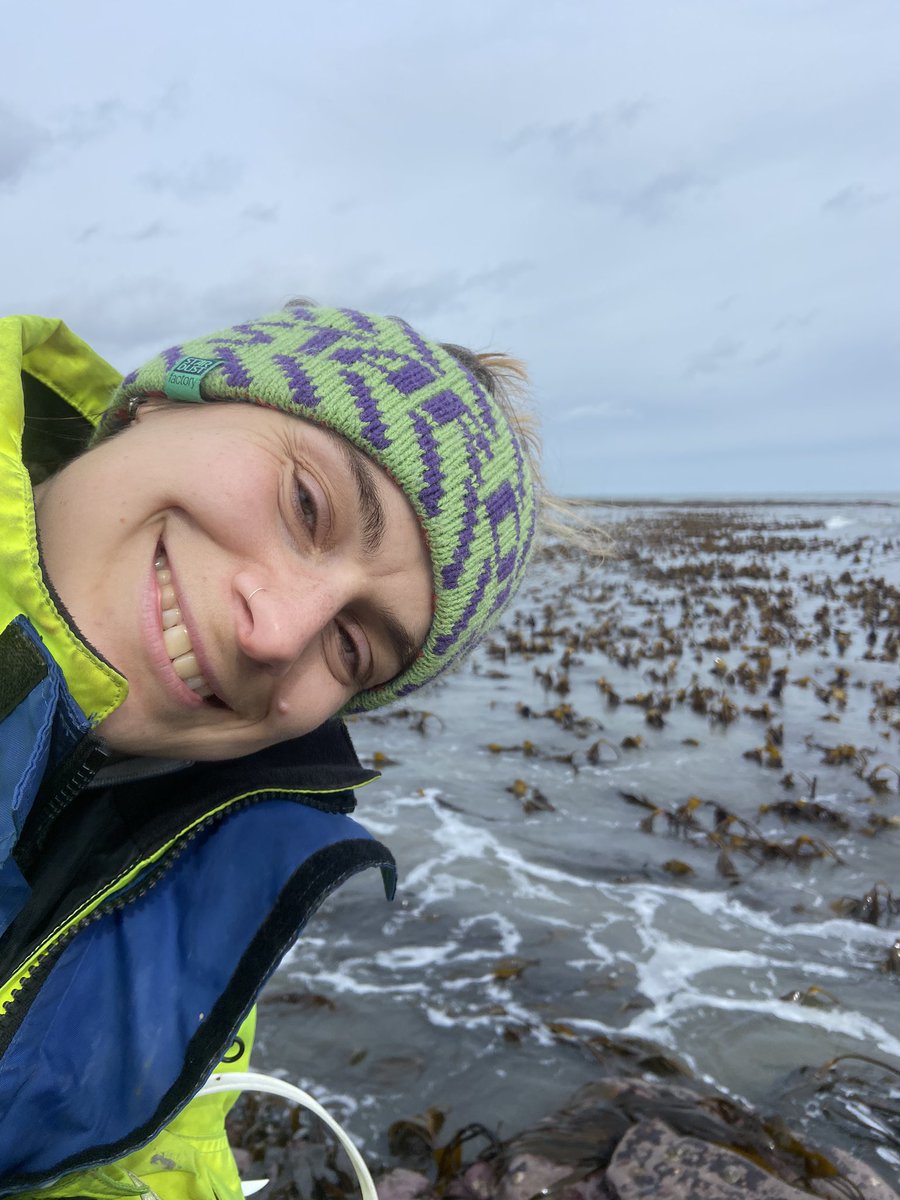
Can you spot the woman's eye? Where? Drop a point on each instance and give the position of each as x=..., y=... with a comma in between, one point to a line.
x=305, y=506
x=349, y=651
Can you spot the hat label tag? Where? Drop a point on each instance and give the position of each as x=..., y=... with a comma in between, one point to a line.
x=183, y=381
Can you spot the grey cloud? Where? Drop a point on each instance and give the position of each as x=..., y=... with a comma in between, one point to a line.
x=89, y=231
x=652, y=203
x=714, y=358
x=629, y=112
x=415, y=300
x=142, y=310
x=767, y=356
x=260, y=214
x=213, y=176
x=790, y=321
x=21, y=144
x=442, y=290
x=601, y=409
x=499, y=276
x=170, y=104
x=853, y=199
x=657, y=200
x=143, y=313
x=565, y=137
x=149, y=233
x=82, y=125
x=345, y=205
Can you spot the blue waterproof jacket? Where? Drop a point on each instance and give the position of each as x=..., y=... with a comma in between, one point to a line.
x=138, y=919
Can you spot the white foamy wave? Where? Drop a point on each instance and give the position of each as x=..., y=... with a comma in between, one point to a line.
x=412, y=958
x=661, y=1023
x=729, y=915
x=527, y=874
x=468, y=856
x=349, y=979
x=434, y=887
x=341, y=1105
x=509, y=938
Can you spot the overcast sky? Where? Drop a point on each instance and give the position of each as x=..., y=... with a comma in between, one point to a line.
x=683, y=214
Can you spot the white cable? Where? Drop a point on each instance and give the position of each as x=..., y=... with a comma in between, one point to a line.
x=255, y=1081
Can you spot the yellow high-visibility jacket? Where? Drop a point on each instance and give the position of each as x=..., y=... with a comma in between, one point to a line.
x=138, y=917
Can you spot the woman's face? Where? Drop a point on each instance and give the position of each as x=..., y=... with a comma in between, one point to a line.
x=246, y=571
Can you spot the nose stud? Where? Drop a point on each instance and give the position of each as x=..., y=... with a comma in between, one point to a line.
x=253, y=593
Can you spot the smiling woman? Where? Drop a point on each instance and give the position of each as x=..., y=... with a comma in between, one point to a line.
x=252, y=578
x=311, y=513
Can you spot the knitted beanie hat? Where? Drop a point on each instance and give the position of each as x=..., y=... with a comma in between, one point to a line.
x=414, y=409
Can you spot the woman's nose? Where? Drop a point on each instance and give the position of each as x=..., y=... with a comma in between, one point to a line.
x=281, y=622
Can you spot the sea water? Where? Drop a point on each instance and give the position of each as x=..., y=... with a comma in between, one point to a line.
x=538, y=938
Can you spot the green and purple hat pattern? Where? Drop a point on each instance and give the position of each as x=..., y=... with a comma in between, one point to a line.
x=414, y=409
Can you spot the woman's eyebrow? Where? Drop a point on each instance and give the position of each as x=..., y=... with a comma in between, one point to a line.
x=368, y=501
x=403, y=646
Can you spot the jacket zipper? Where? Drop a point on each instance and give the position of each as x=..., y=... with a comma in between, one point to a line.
x=66, y=782
x=35, y=976
x=143, y=884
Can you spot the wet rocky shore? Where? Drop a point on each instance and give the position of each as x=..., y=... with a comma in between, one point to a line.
x=623, y=1137
x=728, y=685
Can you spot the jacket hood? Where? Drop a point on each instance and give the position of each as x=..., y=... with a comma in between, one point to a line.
x=53, y=388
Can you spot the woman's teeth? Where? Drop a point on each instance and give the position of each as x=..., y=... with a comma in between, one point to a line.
x=175, y=635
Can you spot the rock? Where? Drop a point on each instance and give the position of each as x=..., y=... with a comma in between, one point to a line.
x=478, y=1181
x=243, y=1162
x=628, y=1137
x=871, y=1185
x=401, y=1184
x=527, y=1175
x=714, y=1125
x=653, y=1162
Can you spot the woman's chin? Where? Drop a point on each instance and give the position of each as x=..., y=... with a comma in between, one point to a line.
x=128, y=731
x=131, y=733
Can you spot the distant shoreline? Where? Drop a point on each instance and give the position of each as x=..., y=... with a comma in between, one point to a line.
x=890, y=501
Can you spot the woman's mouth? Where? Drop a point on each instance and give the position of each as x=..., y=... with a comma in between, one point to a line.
x=176, y=638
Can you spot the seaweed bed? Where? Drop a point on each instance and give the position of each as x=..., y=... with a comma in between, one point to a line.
x=711, y=581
